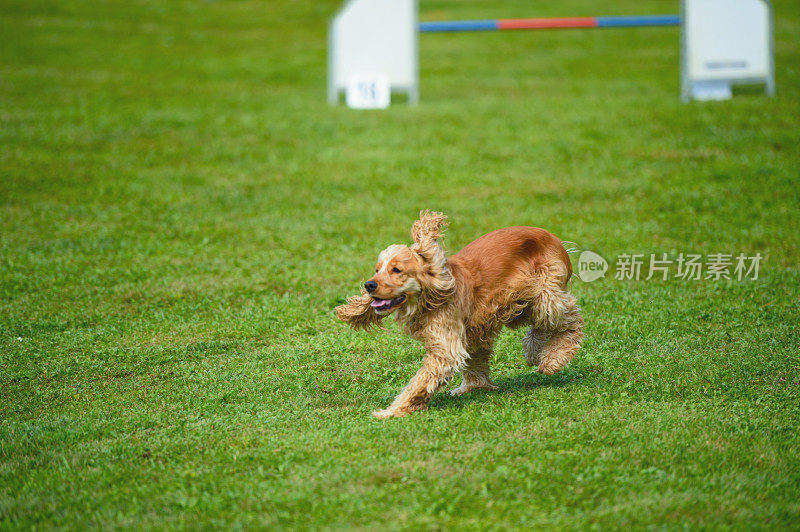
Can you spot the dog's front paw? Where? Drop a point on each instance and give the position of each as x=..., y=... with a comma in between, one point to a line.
x=397, y=412
x=464, y=388
x=386, y=413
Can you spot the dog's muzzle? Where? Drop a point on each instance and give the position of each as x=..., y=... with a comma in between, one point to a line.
x=382, y=306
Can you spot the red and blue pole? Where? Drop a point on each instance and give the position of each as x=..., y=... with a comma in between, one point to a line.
x=550, y=23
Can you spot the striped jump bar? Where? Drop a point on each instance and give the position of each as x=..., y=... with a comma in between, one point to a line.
x=550, y=23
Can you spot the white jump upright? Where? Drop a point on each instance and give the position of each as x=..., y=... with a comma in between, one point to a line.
x=725, y=42
x=374, y=38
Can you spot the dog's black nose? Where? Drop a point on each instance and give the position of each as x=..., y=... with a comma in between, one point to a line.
x=371, y=286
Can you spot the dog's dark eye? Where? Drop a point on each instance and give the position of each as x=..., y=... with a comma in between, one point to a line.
x=396, y=270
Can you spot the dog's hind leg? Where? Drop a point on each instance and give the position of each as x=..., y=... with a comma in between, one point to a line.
x=476, y=373
x=533, y=344
x=566, y=338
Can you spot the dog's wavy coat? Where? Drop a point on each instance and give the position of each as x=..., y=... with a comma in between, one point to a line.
x=456, y=306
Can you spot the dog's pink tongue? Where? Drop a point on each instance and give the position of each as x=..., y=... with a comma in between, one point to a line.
x=379, y=302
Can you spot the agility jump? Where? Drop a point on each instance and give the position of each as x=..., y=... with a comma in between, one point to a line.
x=373, y=44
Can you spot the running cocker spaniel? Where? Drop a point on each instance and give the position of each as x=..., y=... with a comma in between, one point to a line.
x=456, y=306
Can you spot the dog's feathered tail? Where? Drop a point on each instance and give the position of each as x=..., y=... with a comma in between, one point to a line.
x=570, y=247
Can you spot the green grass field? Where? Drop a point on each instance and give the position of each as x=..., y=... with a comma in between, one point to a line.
x=180, y=211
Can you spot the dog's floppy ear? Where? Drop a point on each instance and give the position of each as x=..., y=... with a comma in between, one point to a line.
x=435, y=279
x=358, y=313
x=427, y=231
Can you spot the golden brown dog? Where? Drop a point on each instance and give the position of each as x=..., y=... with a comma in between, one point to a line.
x=456, y=306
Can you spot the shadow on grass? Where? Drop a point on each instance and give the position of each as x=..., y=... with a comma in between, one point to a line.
x=522, y=384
